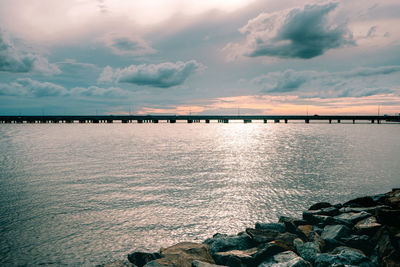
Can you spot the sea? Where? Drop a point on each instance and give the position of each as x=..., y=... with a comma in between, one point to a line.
x=88, y=194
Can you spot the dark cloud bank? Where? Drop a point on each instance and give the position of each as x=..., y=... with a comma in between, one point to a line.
x=298, y=33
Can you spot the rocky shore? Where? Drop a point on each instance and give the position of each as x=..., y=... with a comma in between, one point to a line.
x=361, y=232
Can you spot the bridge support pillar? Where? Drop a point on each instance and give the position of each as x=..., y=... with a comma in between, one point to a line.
x=354, y=121
x=372, y=121
x=276, y=121
x=226, y=121
x=247, y=121
x=172, y=121
x=378, y=121
x=338, y=121
x=265, y=121
x=330, y=121
x=155, y=121
x=189, y=121
x=109, y=121
x=207, y=121
x=286, y=120
x=307, y=121
x=124, y=121
x=139, y=121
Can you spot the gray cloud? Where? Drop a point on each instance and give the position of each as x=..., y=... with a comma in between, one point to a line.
x=358, y=82
x=29, y=87
x=296, y=33
x=161, y=75
x=13, y=59
x=127, y=45
x=94, y=91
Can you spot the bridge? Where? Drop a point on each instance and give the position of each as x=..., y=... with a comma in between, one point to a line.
x=194, y=118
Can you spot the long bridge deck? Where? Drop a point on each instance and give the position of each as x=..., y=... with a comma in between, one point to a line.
x=192, y=118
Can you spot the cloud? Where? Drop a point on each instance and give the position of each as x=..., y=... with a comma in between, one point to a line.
x=29, y=87
x=358, y=82
x=297, y=33
x=161, y=75
x=13, y=59
x=127, y=45
x=94, y=91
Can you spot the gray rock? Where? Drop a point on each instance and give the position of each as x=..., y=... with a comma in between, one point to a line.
x=343, y=256
x=285, y=259
x=285, y=240
x=262, y=235
x=220, y=243
x=280, y=227
x=118, y=263
x=335, y=232
x=331, y=211
x=296, y=222
x=142, y=258
x=235, y=258
x=197, y=263
x=308, y=251
x=266, y=251
x=320, y=205
x=362, y=242
x=316, y=219
x=367, y=226
x=352, y=217
x=361, y=202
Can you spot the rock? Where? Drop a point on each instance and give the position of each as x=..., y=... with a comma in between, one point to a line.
x=335, y=232
x=280, y=227
x=388, y=216
x=320, y=205
x=385, y=252
x=316, y=219
x=182, y=255
x=367, y=226
x=294, y=221
x=261, y=235
x=352, y=218
x=141, y=258
x=305, y=230
x=118, y=263
x=343, y=256
x=370, y=210
x=266, y=251
x=331, y=211
x=363, y=243
x=285, y=240
x=220, y=243
x=361, y=202
x=308, y=251
x=197, y=263
x=285, y=259
x=235, y=258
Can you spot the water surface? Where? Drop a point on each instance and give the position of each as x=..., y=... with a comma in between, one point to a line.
x=89, y=193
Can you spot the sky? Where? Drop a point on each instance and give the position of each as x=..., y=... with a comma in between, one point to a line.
x=73, y=57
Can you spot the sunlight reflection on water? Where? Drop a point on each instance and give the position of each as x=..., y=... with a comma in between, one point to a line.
x=84, y=194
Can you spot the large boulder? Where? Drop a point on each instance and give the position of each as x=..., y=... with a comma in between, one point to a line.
x=367, y=201
x=307, y=250
x=285, y=240
x=361, y=242
x=262, y=235
x=352, y=218
x=182, y=255
x=235, y=258
x=142, y=258
x=335, y=232
x=280, y=227
x=367, y=226
x=320, y=205
x=285, y=259
x=220, y=243
x=343, y=256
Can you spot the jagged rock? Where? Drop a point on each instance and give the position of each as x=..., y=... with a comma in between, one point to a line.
x=361, y=242
x=308, y=250
x=197, y=263
x=352, y=218
x=393, y=198
x=182, y=255
x=388, y=216
x=280, y=227
x=343, y=256
x=385, y=251
x=266, y=251
x=262, y=235
x=296, y=222
x=220, y=243
x=141, y=258
x=367, y=226
x=118, y=263
x=305, y=230
x=320, y=205
x=235, y=258
x=316, y=219
x=335, y=232
x=285, y=240
x=361, y=202
x=330, y=211
x=285, y=259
